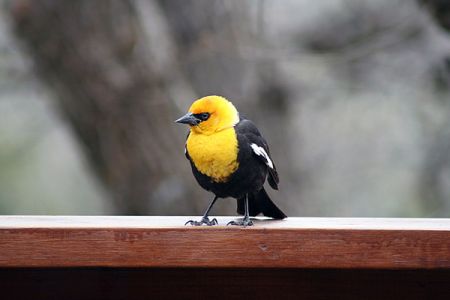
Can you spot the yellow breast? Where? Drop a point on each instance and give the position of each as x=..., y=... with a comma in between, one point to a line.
x=214, y=155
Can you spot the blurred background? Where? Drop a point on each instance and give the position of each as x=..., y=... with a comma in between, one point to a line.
x=352, y=95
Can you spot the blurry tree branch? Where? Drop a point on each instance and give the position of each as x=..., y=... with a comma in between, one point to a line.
x=207, y=35
x=440, y=10
x=434, y=175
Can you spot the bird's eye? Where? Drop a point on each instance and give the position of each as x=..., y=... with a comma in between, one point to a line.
x=204, y=116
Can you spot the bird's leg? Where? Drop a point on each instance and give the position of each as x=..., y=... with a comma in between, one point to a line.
x=205, y=219
x=246, y=220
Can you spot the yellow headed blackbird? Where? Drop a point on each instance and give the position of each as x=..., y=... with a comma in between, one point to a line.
x=230, y=158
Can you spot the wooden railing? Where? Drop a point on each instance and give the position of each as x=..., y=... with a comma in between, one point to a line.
x=107, y=256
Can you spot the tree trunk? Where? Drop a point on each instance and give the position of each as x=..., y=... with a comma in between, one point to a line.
x=95, y=56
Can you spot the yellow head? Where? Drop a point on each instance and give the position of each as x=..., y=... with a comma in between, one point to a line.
x=210, y=114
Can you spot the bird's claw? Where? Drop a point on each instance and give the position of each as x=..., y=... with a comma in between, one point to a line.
x=244, y=222
x=205, y=221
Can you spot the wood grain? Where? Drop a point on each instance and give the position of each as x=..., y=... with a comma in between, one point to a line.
x=323, y=243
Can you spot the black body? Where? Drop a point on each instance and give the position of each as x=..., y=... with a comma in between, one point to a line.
x=250, y=176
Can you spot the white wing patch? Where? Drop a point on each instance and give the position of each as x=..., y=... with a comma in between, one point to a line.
x=262, y=153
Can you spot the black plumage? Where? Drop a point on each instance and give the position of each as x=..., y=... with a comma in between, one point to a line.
x=249, y=178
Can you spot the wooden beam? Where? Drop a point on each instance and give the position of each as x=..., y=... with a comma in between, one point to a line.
x=321, y=243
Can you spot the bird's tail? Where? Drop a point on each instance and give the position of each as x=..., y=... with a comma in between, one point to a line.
x=260, y=202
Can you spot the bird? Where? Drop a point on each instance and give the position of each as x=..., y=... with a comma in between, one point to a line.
x=230, y=158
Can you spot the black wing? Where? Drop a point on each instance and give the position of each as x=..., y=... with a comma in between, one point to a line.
x=259, y=147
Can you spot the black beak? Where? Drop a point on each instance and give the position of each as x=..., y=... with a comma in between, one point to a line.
x=188, y=118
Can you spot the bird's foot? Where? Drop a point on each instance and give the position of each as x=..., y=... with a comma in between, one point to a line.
x=244, y=222
x=204, y=220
